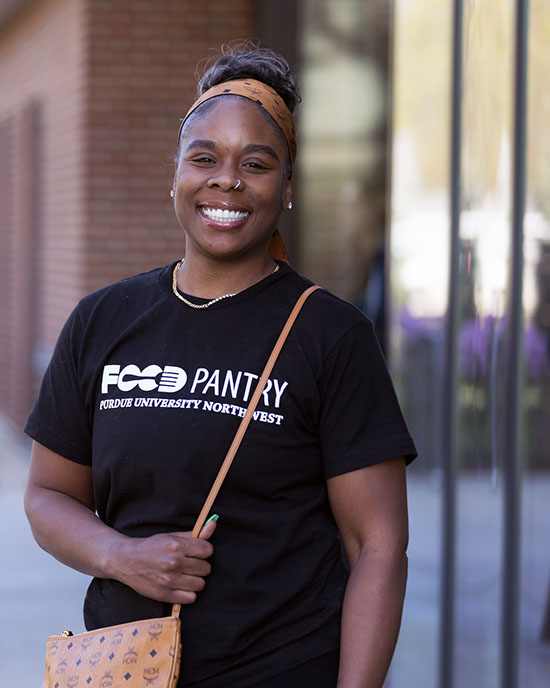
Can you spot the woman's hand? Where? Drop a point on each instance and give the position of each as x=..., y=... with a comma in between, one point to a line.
x=167, y=567
x=170, y=567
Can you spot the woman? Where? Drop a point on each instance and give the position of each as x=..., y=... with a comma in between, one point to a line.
x=144, y=393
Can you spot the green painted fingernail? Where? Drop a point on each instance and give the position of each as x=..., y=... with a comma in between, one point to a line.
x=214, y=517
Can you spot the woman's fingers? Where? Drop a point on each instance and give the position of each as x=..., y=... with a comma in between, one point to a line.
x=169, y=567
x=179, y=564
x=184, y=545
x=209, y=527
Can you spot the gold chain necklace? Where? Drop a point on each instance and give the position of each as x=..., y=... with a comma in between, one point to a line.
x=199, y=306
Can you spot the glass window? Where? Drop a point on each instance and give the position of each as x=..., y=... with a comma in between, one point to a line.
x=534, y=666
x=342, y=158
x=483, y=281
x=419, y=260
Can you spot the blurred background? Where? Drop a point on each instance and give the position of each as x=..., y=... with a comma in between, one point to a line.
x=421, y=194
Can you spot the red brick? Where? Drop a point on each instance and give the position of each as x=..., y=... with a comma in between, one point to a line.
x=112, y=80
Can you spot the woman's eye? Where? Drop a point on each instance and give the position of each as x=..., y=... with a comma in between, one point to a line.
x=202, y=159
x=255, y=165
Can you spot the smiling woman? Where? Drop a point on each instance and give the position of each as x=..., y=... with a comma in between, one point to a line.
x=230, y=189
x=145, y=392
x=241, y=171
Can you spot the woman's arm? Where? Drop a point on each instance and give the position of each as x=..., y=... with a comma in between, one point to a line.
x=370, y=508
x=60, y=507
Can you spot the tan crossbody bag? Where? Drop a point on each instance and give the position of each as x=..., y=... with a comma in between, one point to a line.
x=147, y=652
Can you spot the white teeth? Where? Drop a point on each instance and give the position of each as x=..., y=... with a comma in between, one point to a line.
x=223, y=215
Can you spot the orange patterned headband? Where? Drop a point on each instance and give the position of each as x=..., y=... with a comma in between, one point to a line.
x=260, y=93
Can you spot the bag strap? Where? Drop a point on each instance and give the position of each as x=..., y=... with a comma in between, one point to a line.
x=246, y=420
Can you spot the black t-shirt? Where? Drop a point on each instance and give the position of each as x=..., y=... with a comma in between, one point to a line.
x=150, y=392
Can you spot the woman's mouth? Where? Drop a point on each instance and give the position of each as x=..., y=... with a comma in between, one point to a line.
x=223, y=216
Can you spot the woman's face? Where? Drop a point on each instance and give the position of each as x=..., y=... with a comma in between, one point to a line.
x=232, y=140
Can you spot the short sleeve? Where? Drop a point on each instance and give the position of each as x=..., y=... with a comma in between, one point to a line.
x=360, y=422
x=60, y=418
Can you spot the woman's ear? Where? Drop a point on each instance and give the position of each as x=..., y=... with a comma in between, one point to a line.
x=174, y=183
x=287, y=195
x=176, y=167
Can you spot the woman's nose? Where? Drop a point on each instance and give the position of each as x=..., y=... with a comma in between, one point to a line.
x=225, y=179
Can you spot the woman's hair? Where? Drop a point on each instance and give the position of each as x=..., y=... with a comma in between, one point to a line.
x=246, y=60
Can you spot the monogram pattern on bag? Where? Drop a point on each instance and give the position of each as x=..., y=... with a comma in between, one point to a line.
x=106, y=680
x=155, y=630
x=130, y=657
x=134, y=655
x=61, y=667
x=151, y=675
x=117, y=638
x=95, y=658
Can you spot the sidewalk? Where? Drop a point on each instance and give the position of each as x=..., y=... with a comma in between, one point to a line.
x=38, y=595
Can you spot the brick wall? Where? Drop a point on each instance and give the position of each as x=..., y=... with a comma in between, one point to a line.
x=6, y=250
x=143, y=57
x=23, y=261
x=41, y=223
x=92, y=92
